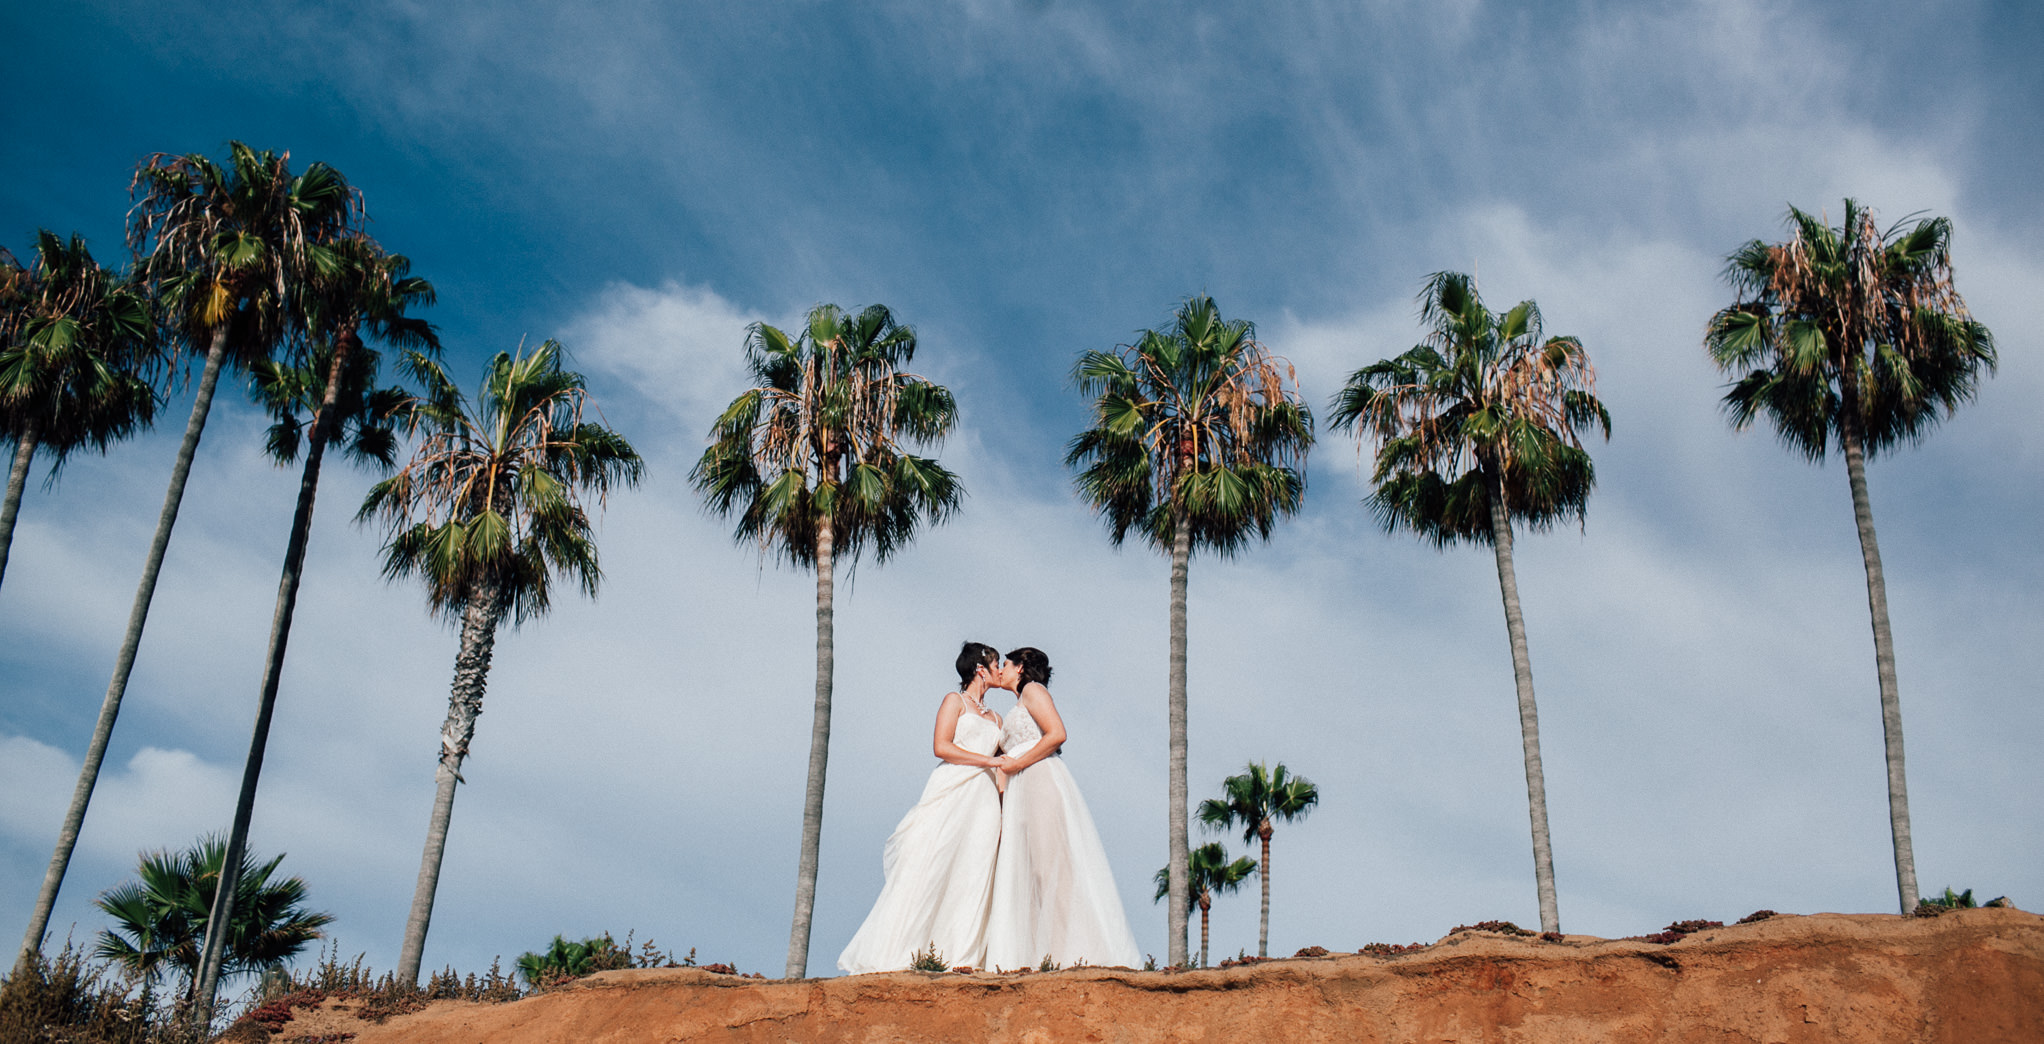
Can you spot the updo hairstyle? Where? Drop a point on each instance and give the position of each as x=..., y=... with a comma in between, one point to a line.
x=972, y=657
x=1035, y=665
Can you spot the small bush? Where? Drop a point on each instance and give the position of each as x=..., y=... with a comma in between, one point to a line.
x=1390, y=949
x=1951, y=900
x=64, y=998
x=1046, y=965
x=927, y=959
x=1551, y=937
x=272, y=1014
x=1500, y=927
x=1677, y=932
x=1312, y=951
x=1758, y=915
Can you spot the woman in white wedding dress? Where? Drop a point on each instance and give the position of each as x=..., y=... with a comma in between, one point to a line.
x=939, y=862
x=1053, y=892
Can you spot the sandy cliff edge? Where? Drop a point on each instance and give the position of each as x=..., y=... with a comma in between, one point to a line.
x=1968, y=977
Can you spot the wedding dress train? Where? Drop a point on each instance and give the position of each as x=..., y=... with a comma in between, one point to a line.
x=1053, y=892
x=939, y=866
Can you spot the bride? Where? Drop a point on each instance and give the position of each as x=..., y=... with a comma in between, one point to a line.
x=1053, y=892
x=939, y=862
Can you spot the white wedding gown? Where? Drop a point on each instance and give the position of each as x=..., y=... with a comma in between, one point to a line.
x=1053, y=892
x=939, y=865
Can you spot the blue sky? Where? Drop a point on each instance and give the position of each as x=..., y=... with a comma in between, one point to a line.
x=1023, y=181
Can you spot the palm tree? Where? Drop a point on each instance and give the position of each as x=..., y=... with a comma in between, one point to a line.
x=1857, y=335
x=1209, y=872
x=1476, y=428
x=336, y=386
x=486, y=512
x=160, y=918
x=73, y=337
x=1256, y=800
x=221, y=249
x=1199, y=440
x=814, y=460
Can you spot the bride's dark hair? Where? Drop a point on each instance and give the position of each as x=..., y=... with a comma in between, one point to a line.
x=1035, y=665
x=974, y=656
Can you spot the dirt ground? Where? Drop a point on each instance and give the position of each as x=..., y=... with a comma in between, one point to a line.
x=1968, y=977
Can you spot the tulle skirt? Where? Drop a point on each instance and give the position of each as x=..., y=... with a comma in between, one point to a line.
x=1053, y=892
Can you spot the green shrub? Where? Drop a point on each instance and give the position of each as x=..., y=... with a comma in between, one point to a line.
x=927, y=959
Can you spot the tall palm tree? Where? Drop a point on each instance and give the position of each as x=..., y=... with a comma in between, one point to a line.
x=73, y=340
x=1199, y=441
x=1256, y=801
x=486, y=512
x=221, y=249
x=1209, y=872
x=160, y=918
x=814, y=460
x=1476, y=429
x=336, y=386
x=1853, y=336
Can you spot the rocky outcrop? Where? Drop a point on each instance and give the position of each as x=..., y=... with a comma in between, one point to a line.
x=1968, y=977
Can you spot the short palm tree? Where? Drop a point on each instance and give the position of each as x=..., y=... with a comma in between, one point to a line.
x=486, y=512
x=1853, y=336
x=160, y=918
x=1256, y=801
x=1476, y=430
x=74, y=339
x=335, y=386
x=222, y=251
x=1199, y=441
x=565, y=959
x=814, y=460
x=1209, y=872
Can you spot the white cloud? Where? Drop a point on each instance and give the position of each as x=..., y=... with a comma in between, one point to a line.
x=677, y=346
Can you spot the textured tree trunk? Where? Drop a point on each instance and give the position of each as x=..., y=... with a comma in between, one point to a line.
x=1205, y=911
x=273, y=668
x=17, y=478
x=1263, y=923
x=1884, y=666
x=124, y=662
x=1181, y=554
x=819, y=759
x=464, y=705
x=1529, y=715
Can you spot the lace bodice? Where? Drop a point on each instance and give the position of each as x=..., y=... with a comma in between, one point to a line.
x=1019, y=732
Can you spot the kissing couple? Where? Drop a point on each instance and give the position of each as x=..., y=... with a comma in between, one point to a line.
x=998, y=866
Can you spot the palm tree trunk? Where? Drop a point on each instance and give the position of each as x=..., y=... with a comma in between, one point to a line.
x=464, y=705
x=124, y=662
x=17, y=478
x=1884, y=666
x=819, y=758
x=1181, y=554
x=1205, y=912
x=1263, y=923
x=1529, y=715
x=273, y=668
